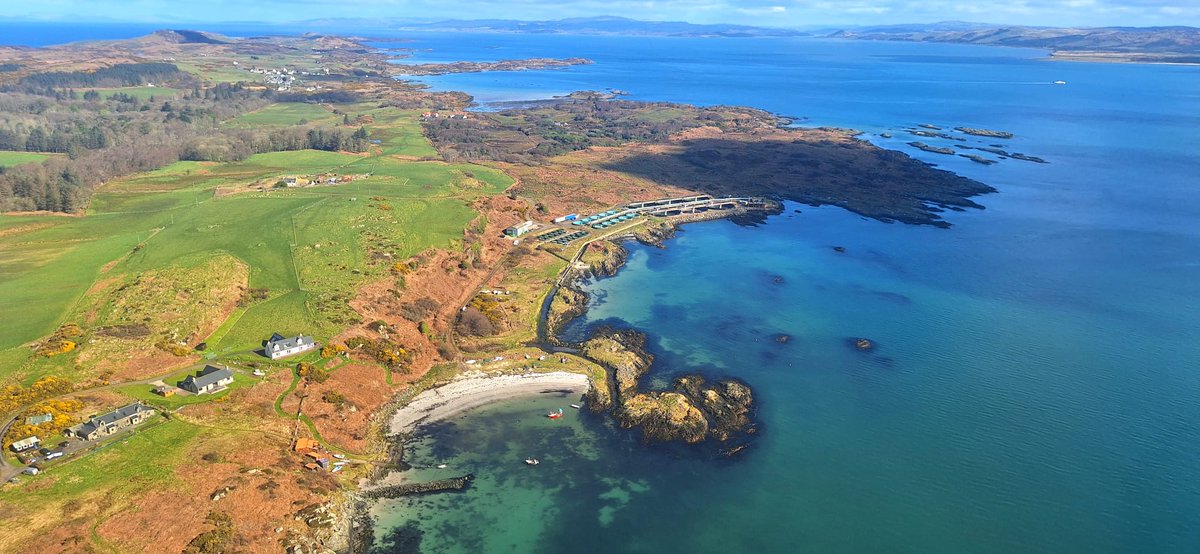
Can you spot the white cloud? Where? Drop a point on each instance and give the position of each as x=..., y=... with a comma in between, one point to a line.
x=765, y=10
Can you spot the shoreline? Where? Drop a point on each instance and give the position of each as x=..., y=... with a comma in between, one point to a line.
x=475, y=389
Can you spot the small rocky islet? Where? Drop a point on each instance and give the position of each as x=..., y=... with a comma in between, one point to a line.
x=691, y=411
x=927, y=130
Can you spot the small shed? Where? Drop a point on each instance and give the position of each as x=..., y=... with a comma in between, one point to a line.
x=164, y=391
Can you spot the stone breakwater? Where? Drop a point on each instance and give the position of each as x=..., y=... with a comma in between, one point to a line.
x=407, y=489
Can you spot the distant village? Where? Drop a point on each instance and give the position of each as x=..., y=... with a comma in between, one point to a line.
x=439, y=115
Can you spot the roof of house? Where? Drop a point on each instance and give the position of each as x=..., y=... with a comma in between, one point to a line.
x=114, y=416
x=284, y=344
x=210, y=375
x=306, y=444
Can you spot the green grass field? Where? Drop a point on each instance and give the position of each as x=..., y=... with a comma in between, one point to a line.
x=399, y=133
x=310, y=247
x=134, y=463
x=9, y=159
x=283, y=115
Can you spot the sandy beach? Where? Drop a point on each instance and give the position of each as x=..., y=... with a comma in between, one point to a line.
x=474, y=389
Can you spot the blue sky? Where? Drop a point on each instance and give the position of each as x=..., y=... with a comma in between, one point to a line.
x=778, y=13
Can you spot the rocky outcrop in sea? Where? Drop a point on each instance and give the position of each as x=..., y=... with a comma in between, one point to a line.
x=692, y=411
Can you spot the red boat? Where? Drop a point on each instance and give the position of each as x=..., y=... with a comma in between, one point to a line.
x=555, y=415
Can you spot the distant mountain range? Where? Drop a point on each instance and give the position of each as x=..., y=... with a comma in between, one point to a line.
x=1158, y=40
x=605, y=25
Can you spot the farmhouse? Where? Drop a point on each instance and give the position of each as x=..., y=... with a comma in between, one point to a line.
x=107, y=424
x=25, y=444
x=208, y=380
x=279, y=347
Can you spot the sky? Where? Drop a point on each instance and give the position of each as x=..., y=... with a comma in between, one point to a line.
x=774, y=13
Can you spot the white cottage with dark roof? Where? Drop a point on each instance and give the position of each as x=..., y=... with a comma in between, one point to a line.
x=280, y=347
x=208, y=380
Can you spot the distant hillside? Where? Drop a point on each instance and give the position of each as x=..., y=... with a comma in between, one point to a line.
x=606, y=25
x=184, y=36
x=1168, y=42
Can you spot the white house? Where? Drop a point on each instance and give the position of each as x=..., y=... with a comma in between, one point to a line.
x=209, y=379
x=279, y=347
x=25, y=444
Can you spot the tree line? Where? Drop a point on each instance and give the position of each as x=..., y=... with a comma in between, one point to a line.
x=108, y=137
x=120, y=75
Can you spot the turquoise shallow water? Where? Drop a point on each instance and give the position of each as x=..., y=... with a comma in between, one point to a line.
x=1035, y=386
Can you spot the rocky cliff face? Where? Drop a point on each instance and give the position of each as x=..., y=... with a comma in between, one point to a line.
x=568, y=303
x=604, y=258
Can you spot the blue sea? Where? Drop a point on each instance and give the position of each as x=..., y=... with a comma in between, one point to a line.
x=1036, y=386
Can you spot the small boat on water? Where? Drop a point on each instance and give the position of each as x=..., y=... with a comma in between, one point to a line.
x=576, y=406
x=441, y=466
x=532, y=461
x=1060, y=82
x=555, y=415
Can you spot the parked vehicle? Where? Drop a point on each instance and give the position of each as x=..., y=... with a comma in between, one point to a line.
x=53, y=455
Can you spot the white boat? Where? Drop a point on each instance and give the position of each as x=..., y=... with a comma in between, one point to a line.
x=340, y=456
x=1060, y=82
x=532, y=461
x=441, y=466
x=576, y=406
